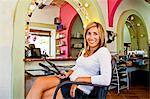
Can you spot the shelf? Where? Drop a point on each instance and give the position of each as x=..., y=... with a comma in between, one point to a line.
x=77, y=37
x=60, y=38
x=61, y=30
x=76, y=48
x=60, y=53
x=60, y=45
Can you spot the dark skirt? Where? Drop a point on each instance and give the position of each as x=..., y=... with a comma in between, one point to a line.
x=65, y=89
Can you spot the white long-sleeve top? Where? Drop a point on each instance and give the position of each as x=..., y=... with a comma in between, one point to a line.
x=97, y=66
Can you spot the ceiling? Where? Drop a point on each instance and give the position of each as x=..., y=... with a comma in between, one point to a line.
x=58, y=3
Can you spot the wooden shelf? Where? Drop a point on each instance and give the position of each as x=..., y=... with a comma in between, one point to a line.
x=60, y=38
x=40, y=32
x=61, y=30
x=77, y=38
x=60, y=45
x=76, y=48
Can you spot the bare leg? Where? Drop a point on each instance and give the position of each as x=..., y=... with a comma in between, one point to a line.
x=42, y=84
x=49, y=94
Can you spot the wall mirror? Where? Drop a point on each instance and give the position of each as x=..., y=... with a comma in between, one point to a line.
x=51, y=29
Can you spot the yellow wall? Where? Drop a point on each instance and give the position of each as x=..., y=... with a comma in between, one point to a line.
x=18, y=49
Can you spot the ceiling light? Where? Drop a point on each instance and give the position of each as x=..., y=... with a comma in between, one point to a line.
x=32, y=7
x=138, y=24
x=86, y=5
x=142, y=35
x=132, y=18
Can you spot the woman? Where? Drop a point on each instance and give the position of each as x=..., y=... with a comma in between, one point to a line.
x=94, y=59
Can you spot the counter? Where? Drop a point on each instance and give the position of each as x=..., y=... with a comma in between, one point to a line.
x=61, y=63
x=50, y=58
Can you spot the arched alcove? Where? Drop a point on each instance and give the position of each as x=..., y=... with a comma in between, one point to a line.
x=139, y=31
x=89, y=11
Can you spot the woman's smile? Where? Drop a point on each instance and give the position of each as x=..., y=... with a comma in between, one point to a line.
x=93, y=37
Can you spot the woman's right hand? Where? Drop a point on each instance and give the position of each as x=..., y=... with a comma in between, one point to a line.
x=62, y=75
x=65, y=74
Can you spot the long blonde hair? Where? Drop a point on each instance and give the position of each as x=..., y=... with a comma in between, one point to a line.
x=101, y=32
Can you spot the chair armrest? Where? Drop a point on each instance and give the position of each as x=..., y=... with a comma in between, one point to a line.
x=72, y=82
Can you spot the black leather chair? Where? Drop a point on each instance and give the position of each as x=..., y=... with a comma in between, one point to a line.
x=99, y=92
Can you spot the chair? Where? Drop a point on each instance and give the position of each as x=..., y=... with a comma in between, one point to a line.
x=99, y=92
x=120, y=79
x=115, y=76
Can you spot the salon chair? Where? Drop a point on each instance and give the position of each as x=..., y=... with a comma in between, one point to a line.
x=99, y=92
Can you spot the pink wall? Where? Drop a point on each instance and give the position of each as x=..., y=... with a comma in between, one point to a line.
x=112, y=6
x=67, y=14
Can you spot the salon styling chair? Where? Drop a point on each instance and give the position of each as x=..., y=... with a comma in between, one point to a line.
x=99, y=92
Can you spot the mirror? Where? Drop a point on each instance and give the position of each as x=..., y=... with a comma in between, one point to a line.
x=55, y=32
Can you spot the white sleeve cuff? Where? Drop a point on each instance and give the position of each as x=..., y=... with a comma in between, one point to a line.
x=98, y=80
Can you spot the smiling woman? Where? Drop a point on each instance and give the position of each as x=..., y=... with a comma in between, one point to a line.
x=97, y=71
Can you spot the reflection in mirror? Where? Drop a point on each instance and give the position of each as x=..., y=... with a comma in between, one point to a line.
x=50, y=28
x=40, y=27
x=40, y=39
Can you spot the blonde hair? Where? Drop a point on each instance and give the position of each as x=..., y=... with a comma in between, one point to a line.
x=101, y=32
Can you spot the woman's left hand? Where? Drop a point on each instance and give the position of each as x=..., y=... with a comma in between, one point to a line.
x=73, y=89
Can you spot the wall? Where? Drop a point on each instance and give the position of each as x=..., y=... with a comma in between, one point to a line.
x=126, y=35
x=7, y=9
x=45, y=15
x=66, y=20
x=141, y=6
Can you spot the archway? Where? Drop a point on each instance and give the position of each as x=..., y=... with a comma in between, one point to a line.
x=138, y=33
x=88, y=11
